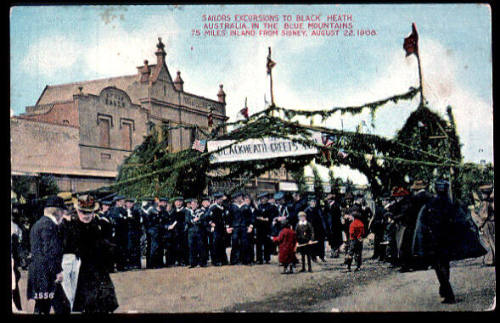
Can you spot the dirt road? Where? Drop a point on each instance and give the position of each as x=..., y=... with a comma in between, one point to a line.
x=261, y=288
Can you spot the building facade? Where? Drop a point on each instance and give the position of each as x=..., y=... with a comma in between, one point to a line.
x=81, y=132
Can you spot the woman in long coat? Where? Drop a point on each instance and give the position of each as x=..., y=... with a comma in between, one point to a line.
x=94, y=291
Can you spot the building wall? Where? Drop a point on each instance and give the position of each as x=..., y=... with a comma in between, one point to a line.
x=58, y=113
x=112, y=106
x=36, y=146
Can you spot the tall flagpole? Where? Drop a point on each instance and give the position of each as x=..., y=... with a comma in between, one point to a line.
x=420, y=79
x=271, y=80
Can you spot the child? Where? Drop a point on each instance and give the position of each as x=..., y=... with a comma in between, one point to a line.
x=356, y=233
x=287, y=240
x=305, y=234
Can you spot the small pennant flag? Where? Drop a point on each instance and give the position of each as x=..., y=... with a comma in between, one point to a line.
x=411, y=42
x=244, y=111
x=420, y=124
x=199, y=145
x=270, y=63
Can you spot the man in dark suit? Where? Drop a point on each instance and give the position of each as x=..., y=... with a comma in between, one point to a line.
x=315, y=217
x=45, y=270
x=179, y=214
x=216, y=220
x=263, y=220
x=134, y=221
x=195, y=223
x=119, y=216
x=240, y=226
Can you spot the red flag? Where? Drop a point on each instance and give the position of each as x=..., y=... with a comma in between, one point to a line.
x=411, y=42
x=244, y=112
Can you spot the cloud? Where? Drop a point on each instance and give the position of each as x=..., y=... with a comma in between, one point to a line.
x=50, y=55
x=118, y=51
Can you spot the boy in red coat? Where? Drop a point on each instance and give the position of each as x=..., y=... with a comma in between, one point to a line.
x=356, y=233
x=287, y=240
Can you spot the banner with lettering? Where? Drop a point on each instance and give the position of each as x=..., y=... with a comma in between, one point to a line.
x=254, y=149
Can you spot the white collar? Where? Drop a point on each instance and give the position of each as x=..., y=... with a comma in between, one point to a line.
x=303, y=222
x=53, y=218
x=178, y=210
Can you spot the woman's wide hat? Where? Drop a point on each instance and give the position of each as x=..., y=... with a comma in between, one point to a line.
x=86, y=203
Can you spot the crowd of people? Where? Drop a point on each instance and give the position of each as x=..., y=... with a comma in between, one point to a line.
x=75, y=247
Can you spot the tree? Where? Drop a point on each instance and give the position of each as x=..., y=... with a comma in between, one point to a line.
x=318, y=183
x=47, y=186
x=299, y=178
x=470, y=178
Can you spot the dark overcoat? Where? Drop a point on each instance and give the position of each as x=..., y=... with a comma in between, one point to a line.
x=95, y=291
x=445, y=230
x=46, y=259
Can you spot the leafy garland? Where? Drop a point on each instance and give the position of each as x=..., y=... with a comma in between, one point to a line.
x=382, y=160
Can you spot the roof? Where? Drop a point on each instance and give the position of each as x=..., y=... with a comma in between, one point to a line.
x=65, y=92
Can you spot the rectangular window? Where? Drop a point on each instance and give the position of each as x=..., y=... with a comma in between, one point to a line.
x=126, y=134
x=104, y=138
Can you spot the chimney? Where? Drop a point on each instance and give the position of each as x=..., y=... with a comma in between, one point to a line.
x=178, y=82
x=160, y=53
x=144, y=71
x=221, y=95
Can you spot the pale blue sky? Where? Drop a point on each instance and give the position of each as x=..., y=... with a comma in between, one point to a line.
x=53, y=45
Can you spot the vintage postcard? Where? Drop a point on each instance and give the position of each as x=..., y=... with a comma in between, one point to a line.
x=252, y=158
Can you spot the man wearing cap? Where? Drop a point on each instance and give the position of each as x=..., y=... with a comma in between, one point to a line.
x=169, y=233
x=179, y=214
x=299, y=204
x=216, y=223
x=134, y=221
x=282, y=214
x=263, y=220
x=144, y=210
x=195, y=224
x=45, y=270
x=155, y=231
x=106, y=224
x=332, y=218
x=119, y=216
x=239, y=225
x=315, y=217
x=205, y=206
